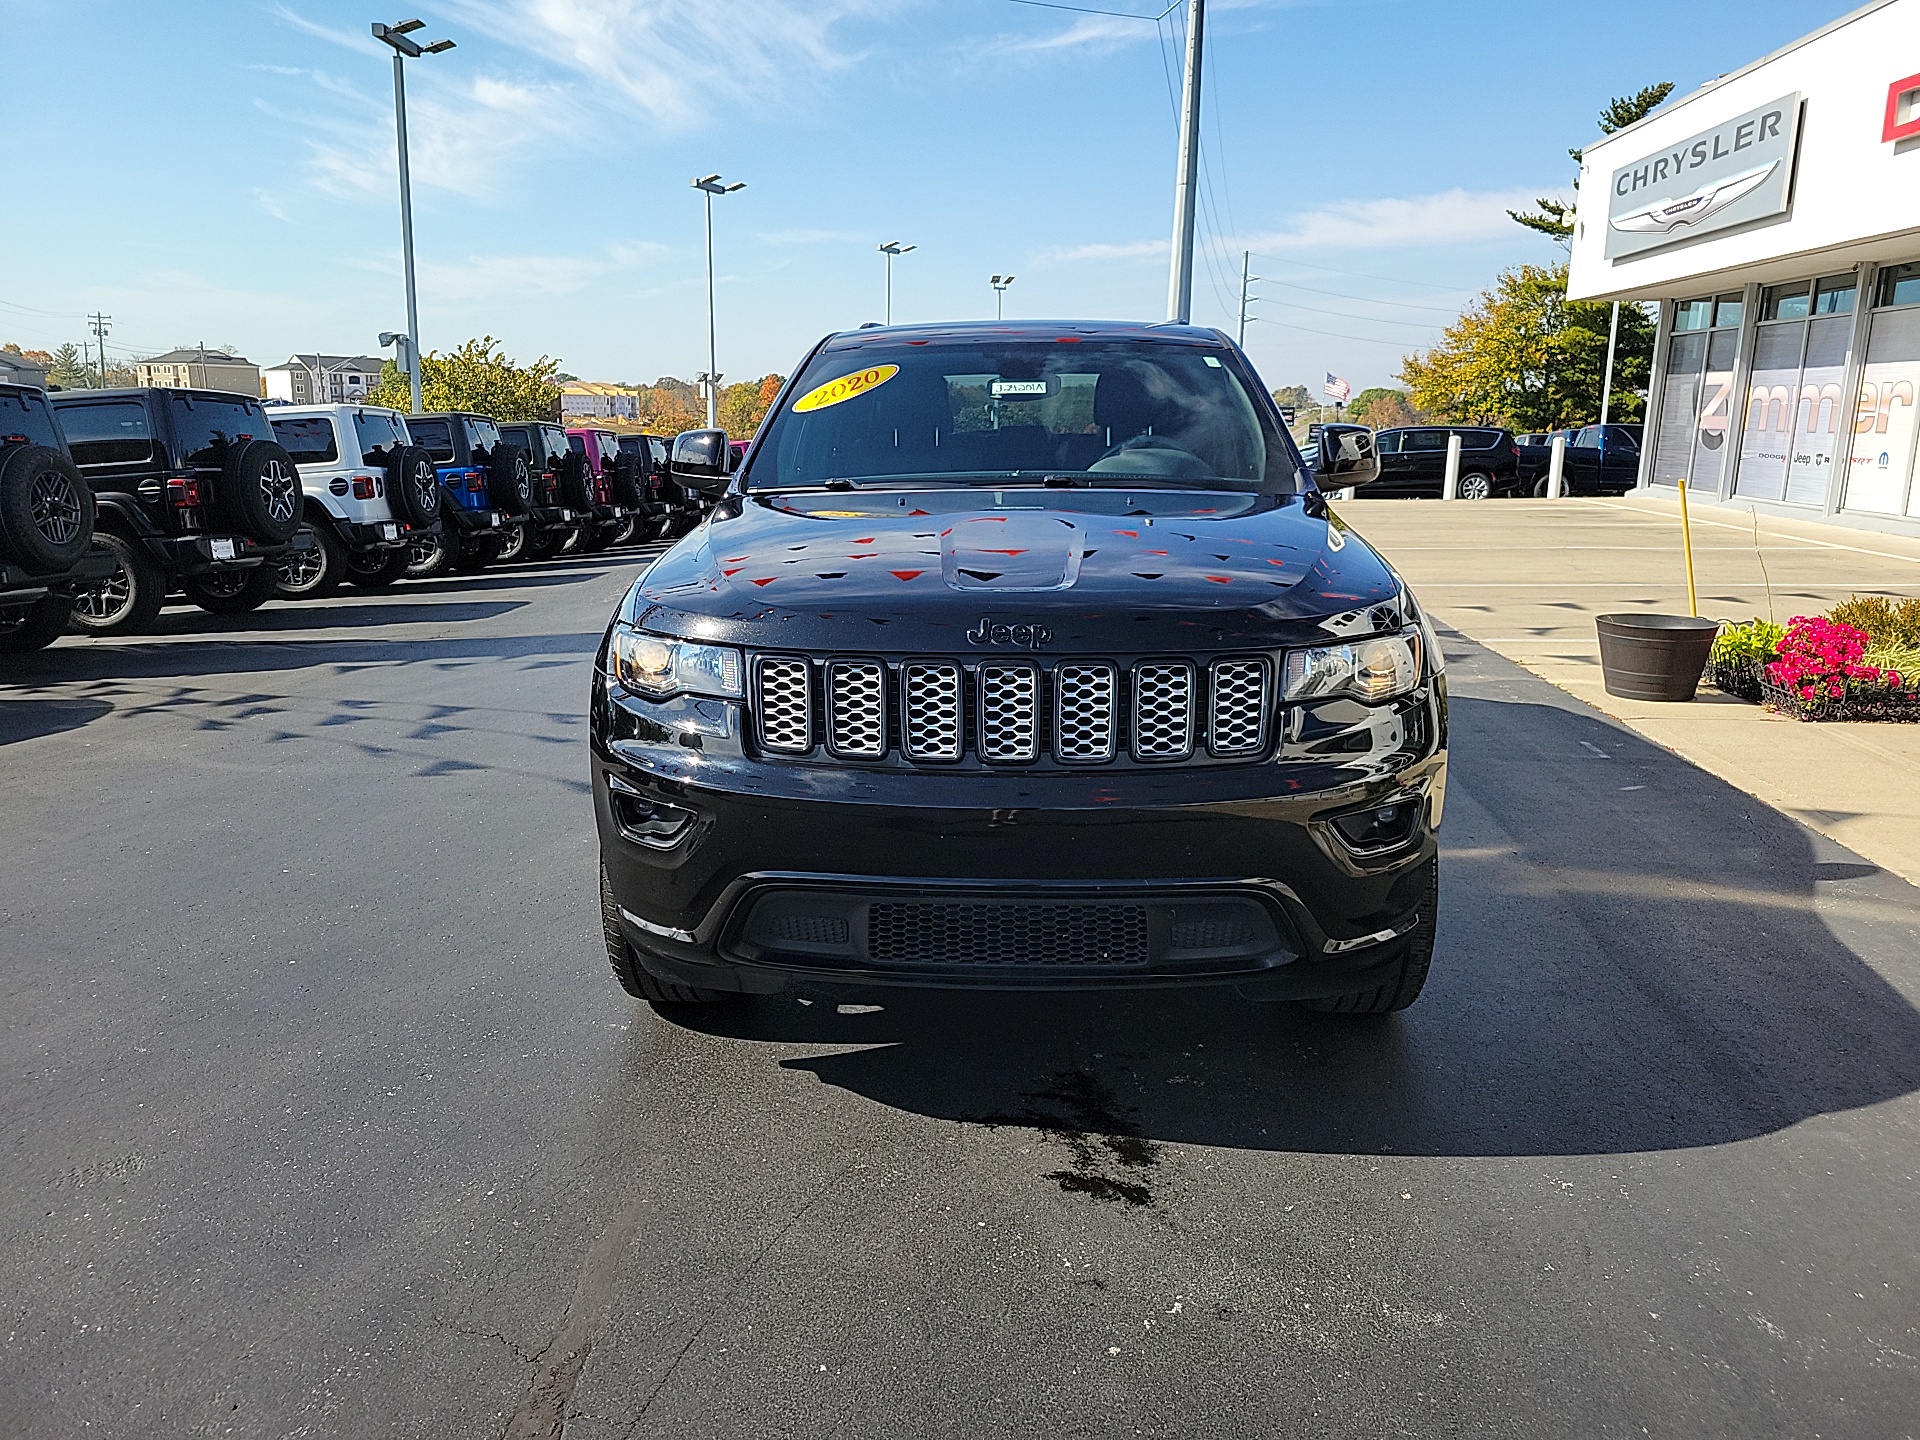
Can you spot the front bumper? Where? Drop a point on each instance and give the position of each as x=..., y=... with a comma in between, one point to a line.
x=735, y=873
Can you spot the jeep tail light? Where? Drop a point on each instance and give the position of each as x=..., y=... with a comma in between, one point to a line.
x=476, y=479
x=183, y=493
x=363, y=487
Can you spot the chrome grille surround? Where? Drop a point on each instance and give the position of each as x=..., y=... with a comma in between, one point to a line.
x=784, y=693
x=931, y=727
x=1236, y=706
x=857, y=709
x=1163, y=709
x=1086, y=711
x=1009, y=713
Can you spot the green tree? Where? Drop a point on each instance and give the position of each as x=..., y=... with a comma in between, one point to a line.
x=1554, y=219
x=742, y=407
x=1382, y=408
x=1526, y=357
x=477, y=377
x=71, y=369
x=1297, y=396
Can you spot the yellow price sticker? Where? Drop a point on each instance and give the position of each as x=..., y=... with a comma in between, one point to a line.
x=835, y=392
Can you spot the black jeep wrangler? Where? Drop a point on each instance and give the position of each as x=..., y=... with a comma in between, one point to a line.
x=194, y=493
x=1022, y=655
x=562, y=500
x=46, y=524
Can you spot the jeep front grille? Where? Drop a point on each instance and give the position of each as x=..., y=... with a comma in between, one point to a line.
x=786, y=705
x=1014, y=712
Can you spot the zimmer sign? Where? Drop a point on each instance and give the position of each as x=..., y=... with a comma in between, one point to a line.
x=1740, y=170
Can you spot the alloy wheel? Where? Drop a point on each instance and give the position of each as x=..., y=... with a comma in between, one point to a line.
x=426, y=488
x=303, y=569
x=281, y=491
x=56, y=508
x=225, y=582
x=108, y=601
x=1476, y=487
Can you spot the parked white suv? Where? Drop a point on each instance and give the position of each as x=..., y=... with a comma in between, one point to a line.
x=369, y=491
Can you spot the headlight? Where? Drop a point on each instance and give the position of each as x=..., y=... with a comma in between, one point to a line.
x=1371, y=670
x=659, y=666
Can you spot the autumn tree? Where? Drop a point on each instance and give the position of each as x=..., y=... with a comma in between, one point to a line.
x=1383, y=408
x=1554, y=218
x=1526, y=357
x=478, y=377
x=742, y=407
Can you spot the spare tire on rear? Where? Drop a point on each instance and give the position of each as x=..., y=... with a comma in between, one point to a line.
x=629, y=482
x=46, y=509
x=576, y=482
x=260, y=492
x=413, y=486
x=510, y=479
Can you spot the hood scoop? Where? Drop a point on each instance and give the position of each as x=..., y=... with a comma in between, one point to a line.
x=1014, y=551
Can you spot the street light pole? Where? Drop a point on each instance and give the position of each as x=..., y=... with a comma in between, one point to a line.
x=405, y=49
x=1000, y=284
x=891, y=249
x=710, y=185
x=1180, y=281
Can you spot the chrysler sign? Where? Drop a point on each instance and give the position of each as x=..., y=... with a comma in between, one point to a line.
x=1740, y=170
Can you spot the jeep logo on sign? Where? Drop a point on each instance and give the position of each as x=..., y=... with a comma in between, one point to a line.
x=1738, y=171
x=994, y=632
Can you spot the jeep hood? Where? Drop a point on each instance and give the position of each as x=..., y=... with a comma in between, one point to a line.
x=899, y=571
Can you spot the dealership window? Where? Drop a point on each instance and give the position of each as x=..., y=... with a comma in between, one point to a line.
x=1791, y=429
x=1695, y=407
x=1880, y=465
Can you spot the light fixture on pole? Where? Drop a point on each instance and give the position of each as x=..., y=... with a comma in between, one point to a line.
x=405, y=49
x=891, y=249
x=1000, y=284
x=711, y=186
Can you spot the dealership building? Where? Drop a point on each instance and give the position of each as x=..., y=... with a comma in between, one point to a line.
x=1774, y=217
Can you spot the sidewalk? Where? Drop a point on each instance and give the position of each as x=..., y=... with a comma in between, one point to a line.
x=1527, y=577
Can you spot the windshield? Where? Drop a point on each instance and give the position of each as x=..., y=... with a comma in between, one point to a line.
x=1105, y=412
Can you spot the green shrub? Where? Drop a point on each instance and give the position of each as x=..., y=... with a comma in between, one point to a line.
x=1887, y=622
x=1902, y=660
x=1756, y=641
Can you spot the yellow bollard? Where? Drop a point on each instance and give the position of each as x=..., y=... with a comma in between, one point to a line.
x=1686, y=544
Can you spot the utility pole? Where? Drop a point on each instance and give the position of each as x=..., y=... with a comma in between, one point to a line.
x=403, y=50
x=1180, y=282
x=1246, y=259
x=101, y=325
x=891, y=249
x=1606, y=385
x=710, y=185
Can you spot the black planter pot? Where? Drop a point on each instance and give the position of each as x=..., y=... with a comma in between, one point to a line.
x=1654, y=657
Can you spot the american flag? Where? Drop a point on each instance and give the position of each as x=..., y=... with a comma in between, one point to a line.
x=1337, y=389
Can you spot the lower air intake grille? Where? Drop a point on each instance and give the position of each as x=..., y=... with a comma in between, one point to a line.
x=994, y=933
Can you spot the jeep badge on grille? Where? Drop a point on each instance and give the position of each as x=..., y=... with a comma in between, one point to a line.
x=989, y=632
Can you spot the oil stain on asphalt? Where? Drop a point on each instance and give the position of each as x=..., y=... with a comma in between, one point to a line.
x=1107, y=1159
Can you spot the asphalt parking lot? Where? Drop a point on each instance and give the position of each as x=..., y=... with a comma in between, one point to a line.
x=323, y=1116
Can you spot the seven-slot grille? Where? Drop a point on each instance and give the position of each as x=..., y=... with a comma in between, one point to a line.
x=1078, y=712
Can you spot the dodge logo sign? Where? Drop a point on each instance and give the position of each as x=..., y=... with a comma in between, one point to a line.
x=1740, y=170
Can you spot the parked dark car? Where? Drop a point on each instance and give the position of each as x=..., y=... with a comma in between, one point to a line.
x=1600, y=460
x=46, y=524
x=193, y=493
x=1413, y=462
x=1009, y=662
x=562, y=496
x=485, y=483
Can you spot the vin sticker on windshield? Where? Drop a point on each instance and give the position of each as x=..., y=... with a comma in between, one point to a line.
x=834, y=392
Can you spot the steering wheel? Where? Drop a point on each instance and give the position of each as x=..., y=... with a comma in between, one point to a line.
x=1166, y=459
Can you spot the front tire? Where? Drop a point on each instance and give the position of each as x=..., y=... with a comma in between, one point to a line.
x=127, y=601
x=232, y=592
x=633, y=977
x=1409, y=973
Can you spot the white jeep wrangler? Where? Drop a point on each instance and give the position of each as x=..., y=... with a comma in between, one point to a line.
x=369, y=491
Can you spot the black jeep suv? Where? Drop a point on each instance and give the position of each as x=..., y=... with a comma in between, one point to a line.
x=562, y=497
x=194, y=493
x=46, y=524
x=1021, y=655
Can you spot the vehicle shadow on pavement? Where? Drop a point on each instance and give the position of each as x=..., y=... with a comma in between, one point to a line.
x=272, y=621
x=30, y=719
x=1629, y=959
x=130, y=660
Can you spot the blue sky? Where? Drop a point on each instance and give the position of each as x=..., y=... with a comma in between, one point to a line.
x=223, y=171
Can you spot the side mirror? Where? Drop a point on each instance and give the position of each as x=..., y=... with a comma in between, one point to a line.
x=701, y=461
x=1347, y=457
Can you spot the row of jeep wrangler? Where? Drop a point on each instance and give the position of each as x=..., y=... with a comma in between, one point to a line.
x=111, y=500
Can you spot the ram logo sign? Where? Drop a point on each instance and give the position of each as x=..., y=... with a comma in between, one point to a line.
x=1741, y=170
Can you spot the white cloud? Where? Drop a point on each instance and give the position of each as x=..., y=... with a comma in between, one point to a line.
x=669, y=59
x=346, y=39
x=1451, y=217
x=1091, y=32
x=1127, y=250
x=483, y=277
x=807, y=237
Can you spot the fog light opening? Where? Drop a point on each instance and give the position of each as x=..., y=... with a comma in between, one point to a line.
x=652, y=823
x=1381, y=828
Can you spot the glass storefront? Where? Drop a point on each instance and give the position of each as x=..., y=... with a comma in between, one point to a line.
x=1792, y=425
x=1881, y=465
x=1690, y=441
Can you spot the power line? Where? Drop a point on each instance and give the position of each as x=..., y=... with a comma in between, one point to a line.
x=1356, y=274
x=1087, y=10
x=1368, y=299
